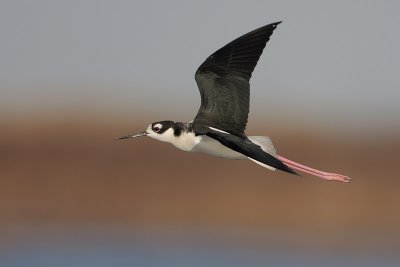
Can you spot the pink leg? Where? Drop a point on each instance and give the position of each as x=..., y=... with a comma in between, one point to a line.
x=318, y=173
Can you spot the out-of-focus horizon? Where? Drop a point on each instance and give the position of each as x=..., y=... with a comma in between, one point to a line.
x=76, y=74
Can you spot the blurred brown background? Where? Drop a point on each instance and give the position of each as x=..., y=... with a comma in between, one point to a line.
x=69, y=170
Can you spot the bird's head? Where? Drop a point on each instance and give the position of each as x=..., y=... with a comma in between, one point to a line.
x=160, y=130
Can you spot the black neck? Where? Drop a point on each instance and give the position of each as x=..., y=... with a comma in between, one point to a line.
x=180, y=127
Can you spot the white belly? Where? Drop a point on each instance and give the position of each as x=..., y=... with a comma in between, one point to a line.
x=212, y=147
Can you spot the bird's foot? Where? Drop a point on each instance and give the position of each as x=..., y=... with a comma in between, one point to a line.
x=335, y=177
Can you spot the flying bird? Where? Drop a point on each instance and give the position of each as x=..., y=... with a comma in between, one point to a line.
x=218, y=128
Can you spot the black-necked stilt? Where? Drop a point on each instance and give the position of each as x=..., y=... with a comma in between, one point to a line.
x=218, y=128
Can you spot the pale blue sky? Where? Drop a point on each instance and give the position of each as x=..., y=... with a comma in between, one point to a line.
x=329, y=60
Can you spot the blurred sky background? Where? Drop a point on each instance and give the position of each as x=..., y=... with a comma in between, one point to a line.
x=335, y=61
x=76, y=74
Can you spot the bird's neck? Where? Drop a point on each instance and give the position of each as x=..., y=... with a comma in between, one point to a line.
x=182, y=128
x=181, y=136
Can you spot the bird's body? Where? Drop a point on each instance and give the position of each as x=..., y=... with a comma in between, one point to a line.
x=218, y=128
x=182, y=136
x=211, y=147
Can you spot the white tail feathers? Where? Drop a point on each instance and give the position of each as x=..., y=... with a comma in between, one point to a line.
x=266, y=145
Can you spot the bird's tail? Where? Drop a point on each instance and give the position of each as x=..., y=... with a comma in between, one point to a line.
x=266, y=145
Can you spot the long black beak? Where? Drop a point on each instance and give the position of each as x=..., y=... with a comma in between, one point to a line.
x=132, y=136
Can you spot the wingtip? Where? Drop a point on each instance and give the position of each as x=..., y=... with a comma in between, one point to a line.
x=290, y=170
x=287, y=169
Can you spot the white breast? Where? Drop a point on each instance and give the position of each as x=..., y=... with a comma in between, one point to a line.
x=186, y=141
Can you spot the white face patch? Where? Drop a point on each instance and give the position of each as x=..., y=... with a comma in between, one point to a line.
x=157, y=126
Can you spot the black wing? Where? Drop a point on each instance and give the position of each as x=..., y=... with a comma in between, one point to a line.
x=243, y=146
x=223, y=81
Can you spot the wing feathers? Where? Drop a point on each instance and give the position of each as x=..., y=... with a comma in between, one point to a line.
x=248, y=148
x=223, y=81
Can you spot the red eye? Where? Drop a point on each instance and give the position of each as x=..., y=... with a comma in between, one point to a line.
x=156, y=129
